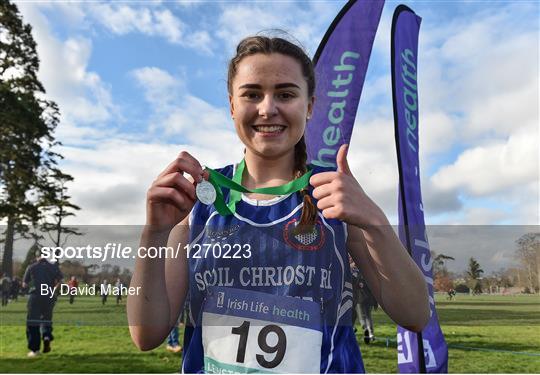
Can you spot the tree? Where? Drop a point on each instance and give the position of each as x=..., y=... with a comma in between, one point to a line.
x=74, y=268
x=55, y=206
x=439, y=266
x=441, y=277
x=474, y=274
x=27, y=123
x=528, y=254
x=499, y=280
x=29, y=259
x=125, y=276
x=443, y=283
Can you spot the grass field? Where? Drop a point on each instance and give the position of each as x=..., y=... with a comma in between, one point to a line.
x=91, y=338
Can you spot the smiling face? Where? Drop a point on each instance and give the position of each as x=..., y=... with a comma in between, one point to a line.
x=269, y=104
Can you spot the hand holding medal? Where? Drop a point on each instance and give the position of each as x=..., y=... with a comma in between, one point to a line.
x=172, y=195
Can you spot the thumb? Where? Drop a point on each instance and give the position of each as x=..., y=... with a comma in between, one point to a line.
x=341, y=159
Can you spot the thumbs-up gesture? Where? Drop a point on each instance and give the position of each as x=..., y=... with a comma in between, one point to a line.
x=341, y=197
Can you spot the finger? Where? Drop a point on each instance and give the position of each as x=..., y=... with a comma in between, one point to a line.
x=323, y=178
x=185, y=163
x=322, y=191
x=330, y=213
x=325, y=203
x=169, y=195
x=341, y=160
x=178, y=181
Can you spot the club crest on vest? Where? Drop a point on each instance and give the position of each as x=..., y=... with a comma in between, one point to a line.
x=312, y=240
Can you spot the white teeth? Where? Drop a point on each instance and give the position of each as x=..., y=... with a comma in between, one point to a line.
x=269, y=128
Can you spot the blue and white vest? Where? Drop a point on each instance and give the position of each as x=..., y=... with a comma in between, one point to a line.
x=263, y=298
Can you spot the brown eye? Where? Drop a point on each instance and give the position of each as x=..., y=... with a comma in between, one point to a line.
x=286, y=95
x=250, y=95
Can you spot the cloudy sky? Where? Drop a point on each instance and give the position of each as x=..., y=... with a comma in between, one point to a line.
x=137, y=82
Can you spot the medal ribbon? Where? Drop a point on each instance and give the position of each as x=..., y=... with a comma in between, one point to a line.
x=236, y=188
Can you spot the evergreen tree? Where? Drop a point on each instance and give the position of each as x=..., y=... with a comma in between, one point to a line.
x=29, y=259
x=55, y=206
x=474, y=274
x=27, y=122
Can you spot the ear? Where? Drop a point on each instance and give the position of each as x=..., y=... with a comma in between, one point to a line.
x=311, y=103
x=231, y=105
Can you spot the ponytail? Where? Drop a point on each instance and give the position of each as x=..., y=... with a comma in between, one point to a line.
x=308, y=217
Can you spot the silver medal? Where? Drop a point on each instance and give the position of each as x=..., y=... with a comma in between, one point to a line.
x=205, y=192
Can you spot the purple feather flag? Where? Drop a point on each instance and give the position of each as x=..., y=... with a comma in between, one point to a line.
x=424, y=352
x=341, y=63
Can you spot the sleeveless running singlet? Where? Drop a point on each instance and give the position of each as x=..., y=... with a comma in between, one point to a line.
x=263, y=298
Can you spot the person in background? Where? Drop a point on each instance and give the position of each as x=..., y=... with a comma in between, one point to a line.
x=15, y=287
x=103, y=291
x=355, y=274
x=40, y=305
x=5, y=284
x=173, y=345
x=119, y=285
x=73, y=284
x=366, y=303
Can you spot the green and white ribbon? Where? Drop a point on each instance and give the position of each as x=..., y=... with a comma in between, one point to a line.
x=236, y=189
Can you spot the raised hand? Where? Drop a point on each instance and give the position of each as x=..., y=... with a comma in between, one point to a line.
x=172, y=195
x=341, y=197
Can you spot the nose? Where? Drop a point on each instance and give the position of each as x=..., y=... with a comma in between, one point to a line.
x=267, y=107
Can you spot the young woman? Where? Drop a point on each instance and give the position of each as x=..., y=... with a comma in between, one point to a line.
x=282, y=300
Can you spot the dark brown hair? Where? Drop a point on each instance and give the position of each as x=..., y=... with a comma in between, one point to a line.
x=266, y=45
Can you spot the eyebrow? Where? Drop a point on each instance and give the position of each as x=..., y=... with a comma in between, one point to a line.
x=278, y=86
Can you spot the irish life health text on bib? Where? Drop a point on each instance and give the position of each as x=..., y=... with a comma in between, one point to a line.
x=246, y=331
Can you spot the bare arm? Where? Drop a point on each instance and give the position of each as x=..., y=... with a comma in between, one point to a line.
x=163, y=281
x=392, y=275
x=395, y=280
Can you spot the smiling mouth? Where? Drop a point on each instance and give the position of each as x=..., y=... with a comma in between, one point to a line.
x=269, y=128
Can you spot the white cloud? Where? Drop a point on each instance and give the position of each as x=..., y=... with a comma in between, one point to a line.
x=188, y=4
x=482, y=216
x=180, y=115
x=483, y=70
x=195, y=113
x=478, y=93
x=111, y=179
x=437, y=135
x=122, y=19
x=372, y=159
x=493, y=168
x=82, y=96
x=160, y=87
x=201, y=41
x=168, y=25
x=153, y=20
x=305, y=21
x=478, y=85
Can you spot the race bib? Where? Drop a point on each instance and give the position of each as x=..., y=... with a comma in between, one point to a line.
x=245, y=331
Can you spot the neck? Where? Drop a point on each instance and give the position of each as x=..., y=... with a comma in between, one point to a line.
x=263, y=172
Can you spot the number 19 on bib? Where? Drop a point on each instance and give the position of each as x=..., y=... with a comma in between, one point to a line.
x=246, y=331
